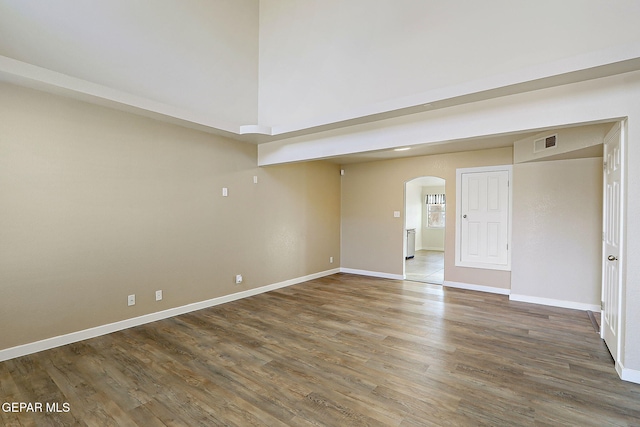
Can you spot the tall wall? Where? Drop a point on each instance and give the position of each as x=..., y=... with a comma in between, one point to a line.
x=99, y=204
x=321, y=58
x=372, y=238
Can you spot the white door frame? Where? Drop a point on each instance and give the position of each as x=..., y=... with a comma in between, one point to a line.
x=459, y=173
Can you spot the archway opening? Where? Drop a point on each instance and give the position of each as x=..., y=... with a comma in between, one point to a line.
x=425, y=225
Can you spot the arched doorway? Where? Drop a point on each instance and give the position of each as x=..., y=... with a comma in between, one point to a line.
x=425, y=207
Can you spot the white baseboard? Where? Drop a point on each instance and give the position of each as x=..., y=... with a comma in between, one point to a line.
x=472, y=287
x=372, y=273
x=433, y=249
x=49, y=343
x=555, y=302
x=631, y=375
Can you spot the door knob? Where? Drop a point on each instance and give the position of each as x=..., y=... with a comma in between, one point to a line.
x=611, y=258
x=464, y=216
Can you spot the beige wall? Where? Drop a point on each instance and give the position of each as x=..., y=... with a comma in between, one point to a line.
x=99, y=204
x=557, y=230
x=372, y=239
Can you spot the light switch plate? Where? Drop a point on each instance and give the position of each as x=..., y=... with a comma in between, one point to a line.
x=225, y=192
x=396, y=214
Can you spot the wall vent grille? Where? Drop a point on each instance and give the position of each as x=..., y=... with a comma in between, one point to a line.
x=546, y=143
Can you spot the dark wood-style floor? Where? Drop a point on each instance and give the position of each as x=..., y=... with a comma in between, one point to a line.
x=338, y=351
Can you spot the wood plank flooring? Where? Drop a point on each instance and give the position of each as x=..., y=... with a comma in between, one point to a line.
x=343, y=350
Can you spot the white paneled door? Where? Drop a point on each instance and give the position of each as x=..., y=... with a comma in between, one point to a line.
x=612, y=241
x=484, y=219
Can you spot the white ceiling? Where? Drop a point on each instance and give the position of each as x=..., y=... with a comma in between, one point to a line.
x=472, y=144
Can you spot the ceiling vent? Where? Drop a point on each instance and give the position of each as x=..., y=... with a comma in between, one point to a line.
x=545, y=143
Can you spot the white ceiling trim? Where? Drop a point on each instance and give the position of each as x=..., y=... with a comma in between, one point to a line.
x=622, y=59
x=28, y=75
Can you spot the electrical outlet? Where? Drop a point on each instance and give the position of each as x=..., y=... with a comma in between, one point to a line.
x=238, y=279
x=158, y=295
x=330, y=260
x=131, y=300
x=225, y=192
x=255, y=179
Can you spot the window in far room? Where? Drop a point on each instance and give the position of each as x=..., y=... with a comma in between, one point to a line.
x=436, y=206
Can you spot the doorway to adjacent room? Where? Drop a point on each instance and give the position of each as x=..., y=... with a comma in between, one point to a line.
x=425, y=211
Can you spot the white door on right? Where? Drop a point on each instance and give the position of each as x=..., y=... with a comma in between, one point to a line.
x=612, y=241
